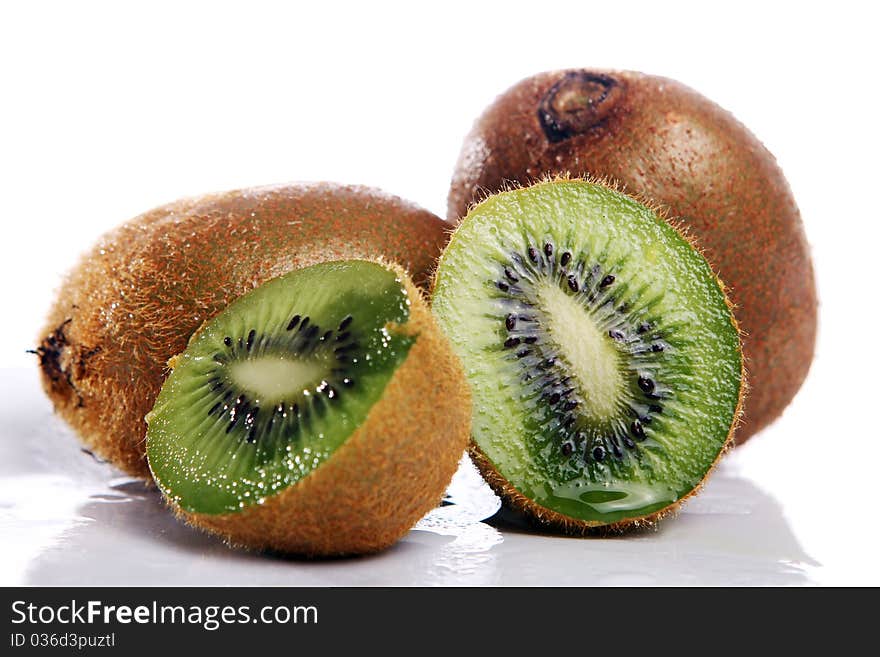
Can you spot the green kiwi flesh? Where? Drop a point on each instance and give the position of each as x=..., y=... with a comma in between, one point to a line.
x=604, y=361
x=271, y=387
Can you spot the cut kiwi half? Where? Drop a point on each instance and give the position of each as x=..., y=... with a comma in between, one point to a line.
x=603, y=357
x=321, y=413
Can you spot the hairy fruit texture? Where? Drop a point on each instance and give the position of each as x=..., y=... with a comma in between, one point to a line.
x=136, y=298
x=344, y=470
x=663, y=142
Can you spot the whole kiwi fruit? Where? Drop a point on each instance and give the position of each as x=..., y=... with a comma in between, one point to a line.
x=322, y=413
x=137, y=297
x=665, y=143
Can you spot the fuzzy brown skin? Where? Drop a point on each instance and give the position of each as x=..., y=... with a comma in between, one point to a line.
x=134, y=301
x=664, y=142
x=388, y=474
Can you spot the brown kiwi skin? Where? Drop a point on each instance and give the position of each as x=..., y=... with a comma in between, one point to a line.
x=386, y=476
x=135, y=299
x=662, y=141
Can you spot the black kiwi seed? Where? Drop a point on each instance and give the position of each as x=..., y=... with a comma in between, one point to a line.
x=342, y=337
x=565, y=259
x=573, y=284
x=548, y=250
x=655, y=408
x=599, y=453
x=303, y=324
x=293, y=322
x=644, y=328
x=504, y=287
x=233, y=419
x=510, y=322
x=345, y=322
x=511, y=342
x=533, y=254
x=227, y=341
x=250, y=338
x=511, y=276
x=608, y=280
x=638, y=430
x=615, y=335
x=567, y=448
x=646, y=384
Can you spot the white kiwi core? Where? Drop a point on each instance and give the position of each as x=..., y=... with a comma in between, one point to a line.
x=274, y=379
x=589, y=352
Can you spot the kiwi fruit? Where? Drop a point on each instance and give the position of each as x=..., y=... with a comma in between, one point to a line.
x=603, y=357
x=135, y=299
x=662, y=141
x=322, y=413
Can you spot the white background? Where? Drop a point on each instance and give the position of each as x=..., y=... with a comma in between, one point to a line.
x=108, y=110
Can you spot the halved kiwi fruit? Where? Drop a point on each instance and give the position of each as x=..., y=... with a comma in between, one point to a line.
x=603, y=357
x=665, y=142
x=136, y=298
x=322, y=413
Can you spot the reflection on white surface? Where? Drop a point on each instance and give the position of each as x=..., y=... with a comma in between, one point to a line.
x=67, y=519
x=38, y=508
x=469, y=555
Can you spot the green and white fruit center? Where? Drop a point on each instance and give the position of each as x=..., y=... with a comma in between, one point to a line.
x=275, y=383
x=603, y=360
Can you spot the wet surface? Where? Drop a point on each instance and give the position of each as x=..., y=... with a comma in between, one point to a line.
x=68, y=519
